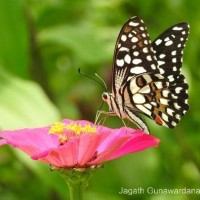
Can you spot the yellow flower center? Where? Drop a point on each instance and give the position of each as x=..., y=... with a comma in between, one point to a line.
x=66, y=132
x=78, y=128
x=57, y=128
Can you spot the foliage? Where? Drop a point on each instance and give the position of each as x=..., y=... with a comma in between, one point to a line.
x=43, y=43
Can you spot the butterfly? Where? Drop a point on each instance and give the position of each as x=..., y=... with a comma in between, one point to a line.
x=146, y=76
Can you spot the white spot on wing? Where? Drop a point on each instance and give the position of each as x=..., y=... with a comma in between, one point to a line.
x=178, y=116
x=174, y=96
x=165, y=93
x=133, y=86
x=124, y=49
x=160, y=62
x=153, y=66
x=137, y=70
x=136, y=61
x=174, y=60
x=144, y=35
x=177, y=106
x=138, y=98
x=159, y=76
x=133, y=23
x=174, y=123
x=163, y=101
x=162, y=56
x=171, y=78
x=168, y=43
x=178, y=89
x=166, y=39
x=130, y=35
x=127, y=59
x=141, y=28
x=153, y=103
x=135, y=53
x=147, y=78
x=158, y=84
x=145, y=50
x=123, y=38
x=120, y=63
x=147, y=105
x=143, y=109
x=134, y=47
x=173, y=53
x=134, y=39
x=177, y=28
x=158, y=41
x=149, y=58
x=145, y=89
x=165, y=117
x=170, y=111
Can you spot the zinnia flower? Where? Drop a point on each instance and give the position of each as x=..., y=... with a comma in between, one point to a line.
x=77, y=144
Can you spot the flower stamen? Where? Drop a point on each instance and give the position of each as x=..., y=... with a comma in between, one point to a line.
x=78, y=129
x=66, y=132
x=56, y=128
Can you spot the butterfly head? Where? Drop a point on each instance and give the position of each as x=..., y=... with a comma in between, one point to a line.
x=106, y=96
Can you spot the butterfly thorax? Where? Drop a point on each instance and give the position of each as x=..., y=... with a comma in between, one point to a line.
x=114, y=103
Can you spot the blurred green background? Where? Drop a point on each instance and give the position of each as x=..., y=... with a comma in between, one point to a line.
x=42, y=44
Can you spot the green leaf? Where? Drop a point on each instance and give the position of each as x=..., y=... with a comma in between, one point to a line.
x=80, y=40
x=14, y=51
x=24, y=104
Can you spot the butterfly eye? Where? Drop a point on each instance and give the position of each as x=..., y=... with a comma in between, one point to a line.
x=105, y=96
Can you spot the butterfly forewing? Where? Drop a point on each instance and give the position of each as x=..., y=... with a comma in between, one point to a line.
x=133, y=53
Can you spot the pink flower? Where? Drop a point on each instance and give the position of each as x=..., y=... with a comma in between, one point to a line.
x=77, y=144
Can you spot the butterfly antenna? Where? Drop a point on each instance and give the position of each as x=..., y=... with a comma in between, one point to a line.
x=102, y=85
x=105, y=86
x=100, y=107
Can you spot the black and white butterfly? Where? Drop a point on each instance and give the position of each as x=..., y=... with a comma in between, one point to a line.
x=147, y=75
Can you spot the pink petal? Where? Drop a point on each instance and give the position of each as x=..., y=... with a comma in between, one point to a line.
x=3, y=142
x=88, y=145
x=138, y=142
x=65, y=156
x=81, y=151
x=110, y=145
x=30, y=140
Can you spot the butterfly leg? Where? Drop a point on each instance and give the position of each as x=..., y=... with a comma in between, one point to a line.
x=102, y=120
x=99, y=112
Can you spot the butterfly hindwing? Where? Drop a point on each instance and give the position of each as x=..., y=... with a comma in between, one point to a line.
x=146, y=94
x=169, y=48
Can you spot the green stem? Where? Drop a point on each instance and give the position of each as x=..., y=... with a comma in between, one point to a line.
x=76, y=190
x=77, y=182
